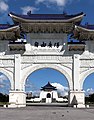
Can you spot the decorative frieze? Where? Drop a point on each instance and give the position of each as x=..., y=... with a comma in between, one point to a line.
x=87, y=63
x=7, y=63
x=44, y=51
x=65, y=59
x=47, y=36
x=69, y=65
x=46, y=59
x=83, y=69
x=10, y=69
x=27, y=59
x=25, y=65
x=47, y=27
x=86, y=36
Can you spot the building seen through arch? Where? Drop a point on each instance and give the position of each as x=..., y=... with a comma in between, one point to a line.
x=48, y=94
x=57, y=87
x=4, y=88
x=88, y=84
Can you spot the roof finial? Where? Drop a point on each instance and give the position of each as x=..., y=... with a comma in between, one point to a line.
x=48, y=82
x=29, y=13
x=86, y=23
x=64, y=12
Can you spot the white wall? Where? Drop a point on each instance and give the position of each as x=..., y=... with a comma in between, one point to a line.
x=43, y=94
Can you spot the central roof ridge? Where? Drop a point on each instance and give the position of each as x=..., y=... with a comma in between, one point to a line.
x=65, y=14
x=62, y=16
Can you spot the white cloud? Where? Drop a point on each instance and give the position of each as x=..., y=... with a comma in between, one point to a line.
x=28, y=8
x=36, y=92
x=3, y=78
x=1, y=86
x=3, y=82
x=58, y=2
x=3, y=6
x=62, y=89
x=89, y=91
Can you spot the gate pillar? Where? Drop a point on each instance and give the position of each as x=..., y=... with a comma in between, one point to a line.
x=17, y=97
x=76, y=96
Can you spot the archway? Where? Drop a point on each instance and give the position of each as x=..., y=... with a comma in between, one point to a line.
x=88, y=87
x=9, y=75
x=5, y=86
x=62, y=69
x=84, y=76
x=39, y=78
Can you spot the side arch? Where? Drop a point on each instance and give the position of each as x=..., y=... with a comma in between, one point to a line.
x=9, y=76
x=84, y=76
x=59, y=68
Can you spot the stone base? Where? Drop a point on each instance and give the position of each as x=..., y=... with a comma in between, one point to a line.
x=17, y=99
x=15, y=106
x=79, y=106
x=77, y=99
x=87, y=106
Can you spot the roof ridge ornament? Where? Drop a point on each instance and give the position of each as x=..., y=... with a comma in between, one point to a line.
x=29, y=13
x=64, y=13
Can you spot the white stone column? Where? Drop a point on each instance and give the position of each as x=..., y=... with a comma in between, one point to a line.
x=76, y=72
x=77, y=96
x=17, y=98
x=17, y=71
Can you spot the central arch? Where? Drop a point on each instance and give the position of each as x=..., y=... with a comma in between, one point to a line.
x=59, y=68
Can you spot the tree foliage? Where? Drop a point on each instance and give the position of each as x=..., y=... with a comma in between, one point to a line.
x=4, y=97
x=90, y=98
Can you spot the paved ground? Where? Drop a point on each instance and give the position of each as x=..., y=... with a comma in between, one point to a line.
x=46, y=113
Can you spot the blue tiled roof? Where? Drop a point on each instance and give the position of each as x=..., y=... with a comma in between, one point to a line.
x=88, y=26
x=5, y=26
x=47, y=16
x=48, y=86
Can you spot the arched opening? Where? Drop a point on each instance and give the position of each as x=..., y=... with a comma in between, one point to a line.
x=88, y=87
x=48, y=95
x=39, y=79
x=5, y=86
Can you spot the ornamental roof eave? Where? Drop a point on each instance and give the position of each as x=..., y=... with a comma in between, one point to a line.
x=73, y=18
x=83, y=33
x=10, y=28
x=83, y=28
x=9, y=32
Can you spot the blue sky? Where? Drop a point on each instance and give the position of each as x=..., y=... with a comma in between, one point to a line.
x=40, y=78
x=47, y=6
